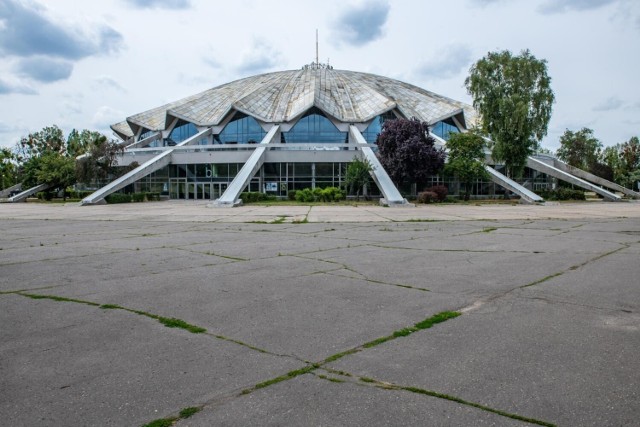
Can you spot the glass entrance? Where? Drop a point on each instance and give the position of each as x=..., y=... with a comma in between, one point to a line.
x=178, y=188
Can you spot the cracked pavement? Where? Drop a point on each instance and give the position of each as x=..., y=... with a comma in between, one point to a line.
x=304, y=322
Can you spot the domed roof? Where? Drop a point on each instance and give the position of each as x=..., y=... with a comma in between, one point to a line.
x=280, y=97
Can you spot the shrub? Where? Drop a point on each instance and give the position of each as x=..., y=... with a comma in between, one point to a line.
x=138, y=197
x=441, y=192
x=292, y=195
x=255, y=196
x=427, y=197
x=305, y=196
x=118, y=198
x=563, y=193
x=332, y=194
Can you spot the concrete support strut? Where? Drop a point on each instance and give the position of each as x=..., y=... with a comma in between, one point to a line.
x=594, y=179
x=526, y=196
x=26, y=193
x=150, y=166
x=392, y=196
x=231, y=196
x=4, y=193
x=543, y=167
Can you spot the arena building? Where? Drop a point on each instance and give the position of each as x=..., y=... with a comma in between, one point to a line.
x=290, y=130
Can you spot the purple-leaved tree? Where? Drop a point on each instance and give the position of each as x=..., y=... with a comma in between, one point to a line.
x=407, y=151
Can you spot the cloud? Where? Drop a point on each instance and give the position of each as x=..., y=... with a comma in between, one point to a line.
x=106, y=116
x=483, y=3
x=609, y=104
x=108, y=82
x=561, y=6
x=27, y=32
x=159, y=4
x=7, y=88
x=259, y=58
x=447, y=63
x=45, y=69
x=361, y=24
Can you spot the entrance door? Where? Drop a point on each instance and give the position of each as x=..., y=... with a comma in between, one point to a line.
x=178, y=188
x=217, y=189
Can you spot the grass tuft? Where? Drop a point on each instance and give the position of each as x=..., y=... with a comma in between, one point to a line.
x=190, y=411
x=179, y=323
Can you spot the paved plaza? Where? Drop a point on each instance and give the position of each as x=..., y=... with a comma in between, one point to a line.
x=447, y=315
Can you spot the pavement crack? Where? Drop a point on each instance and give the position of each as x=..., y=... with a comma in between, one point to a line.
x=390, y=386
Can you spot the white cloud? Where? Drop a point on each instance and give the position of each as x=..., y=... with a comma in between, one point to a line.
x=361, y=24
x=447, y=63
x=106, y=116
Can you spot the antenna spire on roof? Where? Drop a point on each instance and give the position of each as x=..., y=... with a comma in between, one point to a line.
x=316, y=65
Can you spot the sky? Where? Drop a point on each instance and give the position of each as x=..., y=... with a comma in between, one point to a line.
x=89, y=64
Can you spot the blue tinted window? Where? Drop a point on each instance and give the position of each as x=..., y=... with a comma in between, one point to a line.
x=183, y=130
x=242, y=129
x=444, y=128
x=373, y=130
x=145, y=134
x=315, y=128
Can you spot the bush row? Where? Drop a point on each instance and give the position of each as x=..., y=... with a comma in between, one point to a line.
x=254, y=196
x=307, y=195
x=562, y=193
x=132, y=197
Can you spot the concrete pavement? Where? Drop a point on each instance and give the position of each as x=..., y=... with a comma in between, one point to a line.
x=124, y=314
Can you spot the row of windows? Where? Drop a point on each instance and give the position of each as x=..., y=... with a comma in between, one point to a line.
x=313, y=127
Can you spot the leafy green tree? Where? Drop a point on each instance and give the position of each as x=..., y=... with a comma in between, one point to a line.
x=358, y=175
x=466, y=159
x=8, y=169
x=514, y=98
x=49, y=139
x=407, y=151
x=57, y=170
x=79, y=143
x=579, y=149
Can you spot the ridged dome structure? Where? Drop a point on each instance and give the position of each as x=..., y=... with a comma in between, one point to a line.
x=280, y=97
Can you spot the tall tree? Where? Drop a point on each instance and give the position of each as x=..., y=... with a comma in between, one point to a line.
x=579, y=149
x=514, y=98
x=407, y=151
x=465, y=159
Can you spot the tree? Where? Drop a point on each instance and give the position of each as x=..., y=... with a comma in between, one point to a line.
x=466, y=159
x=579, y=149
x=99, y=160
x=358, y=175
x=407, y=151
x=57, y=170
x=79, y=143
x=7, y=169
x=514, y=98
x=624, y=161
x=49, y=139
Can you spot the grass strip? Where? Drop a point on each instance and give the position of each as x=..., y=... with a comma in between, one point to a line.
x=169, y=322
x=425, y=324
x=169, y=421
x=467, y=403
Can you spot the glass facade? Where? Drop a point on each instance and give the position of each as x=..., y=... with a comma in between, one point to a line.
x=314, y=127
x=375, y=127
x=242, y=129
x=443, y=128
x=182, y=130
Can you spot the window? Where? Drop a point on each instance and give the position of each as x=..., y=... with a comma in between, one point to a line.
x=183, y=130
x=314, y=127
x=443, y=128
x=242, y=129
x=375, y=127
